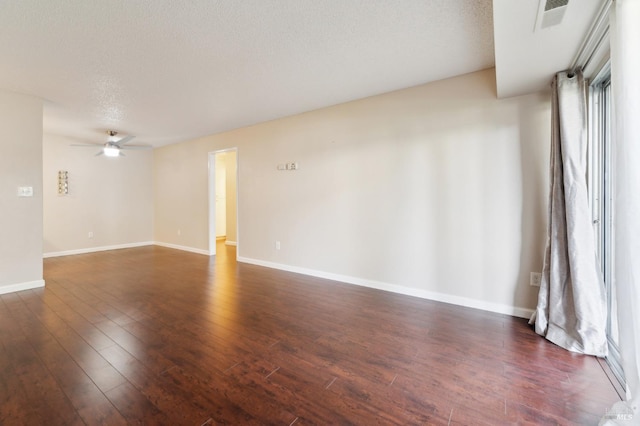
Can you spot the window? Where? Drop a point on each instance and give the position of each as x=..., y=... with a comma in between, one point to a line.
x=601, y=188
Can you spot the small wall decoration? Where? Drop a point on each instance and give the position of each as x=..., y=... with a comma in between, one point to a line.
x=63, y=182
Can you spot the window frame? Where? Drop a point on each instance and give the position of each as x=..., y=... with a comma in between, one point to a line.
x=601, y=140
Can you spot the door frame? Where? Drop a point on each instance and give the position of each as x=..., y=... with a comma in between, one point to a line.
x=212, y=199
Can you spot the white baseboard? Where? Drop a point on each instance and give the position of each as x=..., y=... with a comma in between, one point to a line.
x=96, y=249
x=409, y=291
x=21, y=286
x=230, y=243
x=183, y=248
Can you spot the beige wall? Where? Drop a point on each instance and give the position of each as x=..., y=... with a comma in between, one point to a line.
x=20, y=218
x=436, y=191
x=110, y=197
x=231, y=169
x=181, y=204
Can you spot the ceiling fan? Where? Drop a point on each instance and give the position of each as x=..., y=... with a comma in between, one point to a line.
x=114, y=145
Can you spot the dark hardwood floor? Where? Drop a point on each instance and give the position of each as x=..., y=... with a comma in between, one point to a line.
x=157, y=336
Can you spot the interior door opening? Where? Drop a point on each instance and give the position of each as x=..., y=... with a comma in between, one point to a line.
x=223, y=190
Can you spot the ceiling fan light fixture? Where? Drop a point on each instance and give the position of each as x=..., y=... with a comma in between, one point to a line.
x=113, y=147
x=111, y=151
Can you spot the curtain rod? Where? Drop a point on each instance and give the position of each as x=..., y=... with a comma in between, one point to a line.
x=598, y=30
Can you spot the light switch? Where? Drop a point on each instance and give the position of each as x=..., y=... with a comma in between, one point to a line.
x=25, y=191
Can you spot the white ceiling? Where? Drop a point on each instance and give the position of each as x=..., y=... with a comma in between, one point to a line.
x=526, y=58
x=169, y=70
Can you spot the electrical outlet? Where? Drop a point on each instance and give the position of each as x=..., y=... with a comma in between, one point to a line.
x=179, y=232
x=277, y=245
x=90, y=235
x=534, y=279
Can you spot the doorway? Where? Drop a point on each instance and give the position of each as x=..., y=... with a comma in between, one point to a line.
x=223, y=191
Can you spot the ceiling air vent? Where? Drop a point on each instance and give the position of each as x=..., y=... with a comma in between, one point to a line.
x=550, y=13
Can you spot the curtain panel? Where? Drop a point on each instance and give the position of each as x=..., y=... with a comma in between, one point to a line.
x=571, y=310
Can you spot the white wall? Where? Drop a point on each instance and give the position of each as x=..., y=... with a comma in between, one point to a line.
x=221, y=194
x=231, y=169
x=110, y=197
x=437, y=191
x=20, y=218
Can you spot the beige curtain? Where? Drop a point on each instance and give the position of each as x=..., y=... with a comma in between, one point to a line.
x=571, y=309
x=625, y=84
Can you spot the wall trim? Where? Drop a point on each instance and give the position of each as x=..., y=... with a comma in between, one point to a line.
x=393, y=288
x=95, y=249
x=11, y=288
x=230, y=243
x=183, y=248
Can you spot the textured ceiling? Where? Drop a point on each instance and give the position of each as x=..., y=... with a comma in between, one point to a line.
x=169, y=71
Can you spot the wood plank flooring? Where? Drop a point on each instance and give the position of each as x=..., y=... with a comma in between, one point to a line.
x=161, y=337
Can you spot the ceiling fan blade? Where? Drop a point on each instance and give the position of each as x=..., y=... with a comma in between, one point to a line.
x=124, y=140
x=90, y=145
x=136, y=147
x=99, y=153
